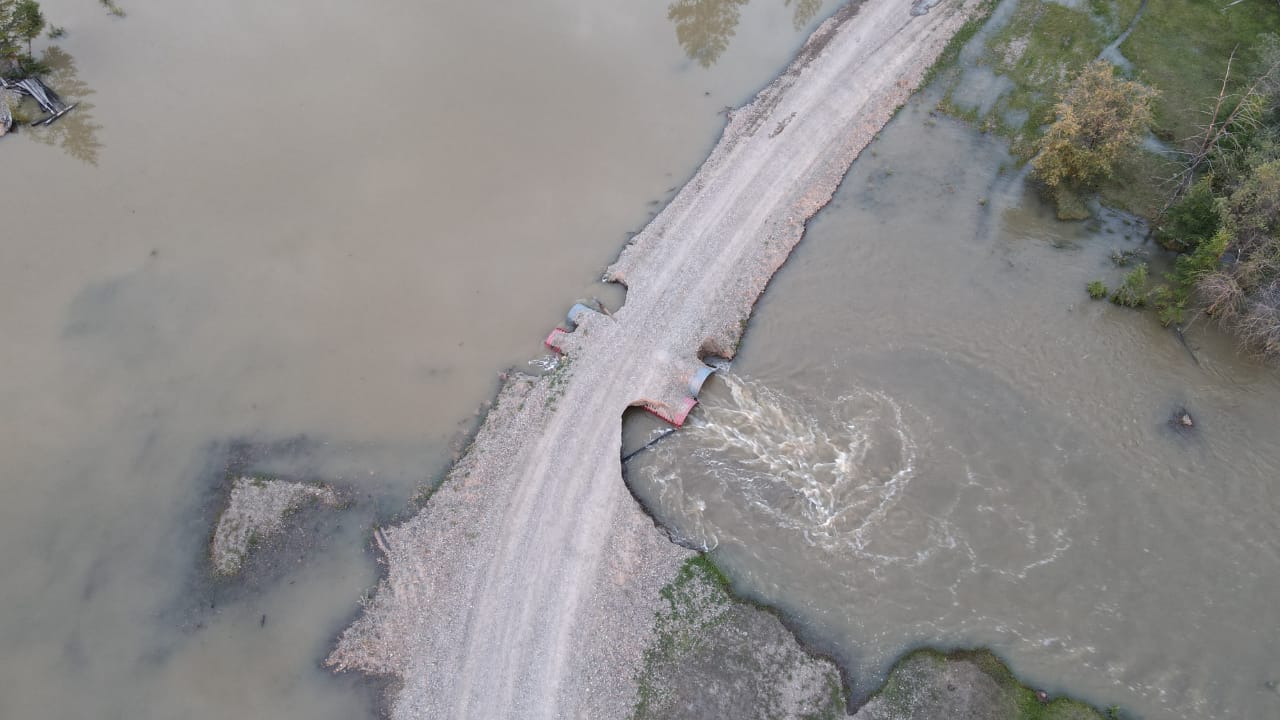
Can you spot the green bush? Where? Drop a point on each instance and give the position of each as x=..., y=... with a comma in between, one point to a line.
x=1172, y=298
x=1132, y=292
x=1097, y=289
x=1100, y=118
x=1191, y=220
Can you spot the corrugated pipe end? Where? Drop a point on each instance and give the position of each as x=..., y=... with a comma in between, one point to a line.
x=699, y=378
x=575, y=312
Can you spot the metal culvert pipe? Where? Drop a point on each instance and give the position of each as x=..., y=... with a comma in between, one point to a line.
x=699, y=377
x=575, y=312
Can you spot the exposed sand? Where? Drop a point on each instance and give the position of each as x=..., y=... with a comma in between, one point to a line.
x=527, y=586
x=256, y=511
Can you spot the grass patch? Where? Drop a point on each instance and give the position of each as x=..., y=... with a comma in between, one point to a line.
x=1132, y=292
x=1041, y=49
x=1181, y=48
x=1139, y=183
x=951, y=52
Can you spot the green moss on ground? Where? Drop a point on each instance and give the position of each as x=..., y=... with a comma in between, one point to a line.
x=965, y=685
x=712, y=655
x=1181, y=47
x=715, y=656
x=1030, y=707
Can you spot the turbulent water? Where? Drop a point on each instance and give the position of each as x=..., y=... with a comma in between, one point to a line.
x=931, y=435
x=826, y=471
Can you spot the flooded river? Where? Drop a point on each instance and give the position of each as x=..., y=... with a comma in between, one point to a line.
x=306, y=239
x=931, y=435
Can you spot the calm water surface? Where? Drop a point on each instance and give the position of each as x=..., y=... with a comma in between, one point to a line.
x=300, y=238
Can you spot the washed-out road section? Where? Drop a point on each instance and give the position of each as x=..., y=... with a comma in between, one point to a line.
x=526, y=586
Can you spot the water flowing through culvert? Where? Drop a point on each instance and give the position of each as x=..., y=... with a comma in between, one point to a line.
x=832, y=476
x=844, y=508
x=827, y=476
x=1035, y=500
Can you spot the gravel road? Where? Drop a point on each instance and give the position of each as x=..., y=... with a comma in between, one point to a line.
x=527, y=585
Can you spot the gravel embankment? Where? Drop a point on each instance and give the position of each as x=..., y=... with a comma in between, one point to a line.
x=528, y=585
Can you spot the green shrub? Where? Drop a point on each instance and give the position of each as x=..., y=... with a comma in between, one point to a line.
x=1170, y=302
x=1132, y=292
x=1097, y=289
x=1191, y=220
x=1100, y=118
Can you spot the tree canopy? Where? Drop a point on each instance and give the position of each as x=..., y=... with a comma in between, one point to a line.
x=21, y=21
x=1099, y=118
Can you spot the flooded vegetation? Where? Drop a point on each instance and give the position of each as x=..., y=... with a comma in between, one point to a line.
x=236, y=258
x=931, y=436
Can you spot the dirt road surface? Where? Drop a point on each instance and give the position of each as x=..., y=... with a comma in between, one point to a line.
x=526, y=587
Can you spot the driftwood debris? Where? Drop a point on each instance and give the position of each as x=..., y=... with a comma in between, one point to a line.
x=43, y=95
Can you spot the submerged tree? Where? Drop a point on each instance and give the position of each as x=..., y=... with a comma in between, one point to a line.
x=804, y=12
x=1100, y=118
x=703, y=27
x=9, y=41
x=29, y=21
x=21, y=21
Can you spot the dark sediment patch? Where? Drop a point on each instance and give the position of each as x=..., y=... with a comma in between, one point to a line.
x=203, y=594
x=259, y=509
x=369, y=497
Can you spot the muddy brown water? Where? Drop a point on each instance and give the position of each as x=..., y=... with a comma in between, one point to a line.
x=304, y=240
x=308, y=236
x=932, y=436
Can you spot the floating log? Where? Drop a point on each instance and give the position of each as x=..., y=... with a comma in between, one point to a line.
x=56, y=115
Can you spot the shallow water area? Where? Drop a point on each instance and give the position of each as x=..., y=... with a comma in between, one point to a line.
x=298, y=240
x=932, y=436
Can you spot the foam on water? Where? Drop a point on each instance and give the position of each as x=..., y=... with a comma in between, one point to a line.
x=833, y=474
x=852, y=495
x=827, y=479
